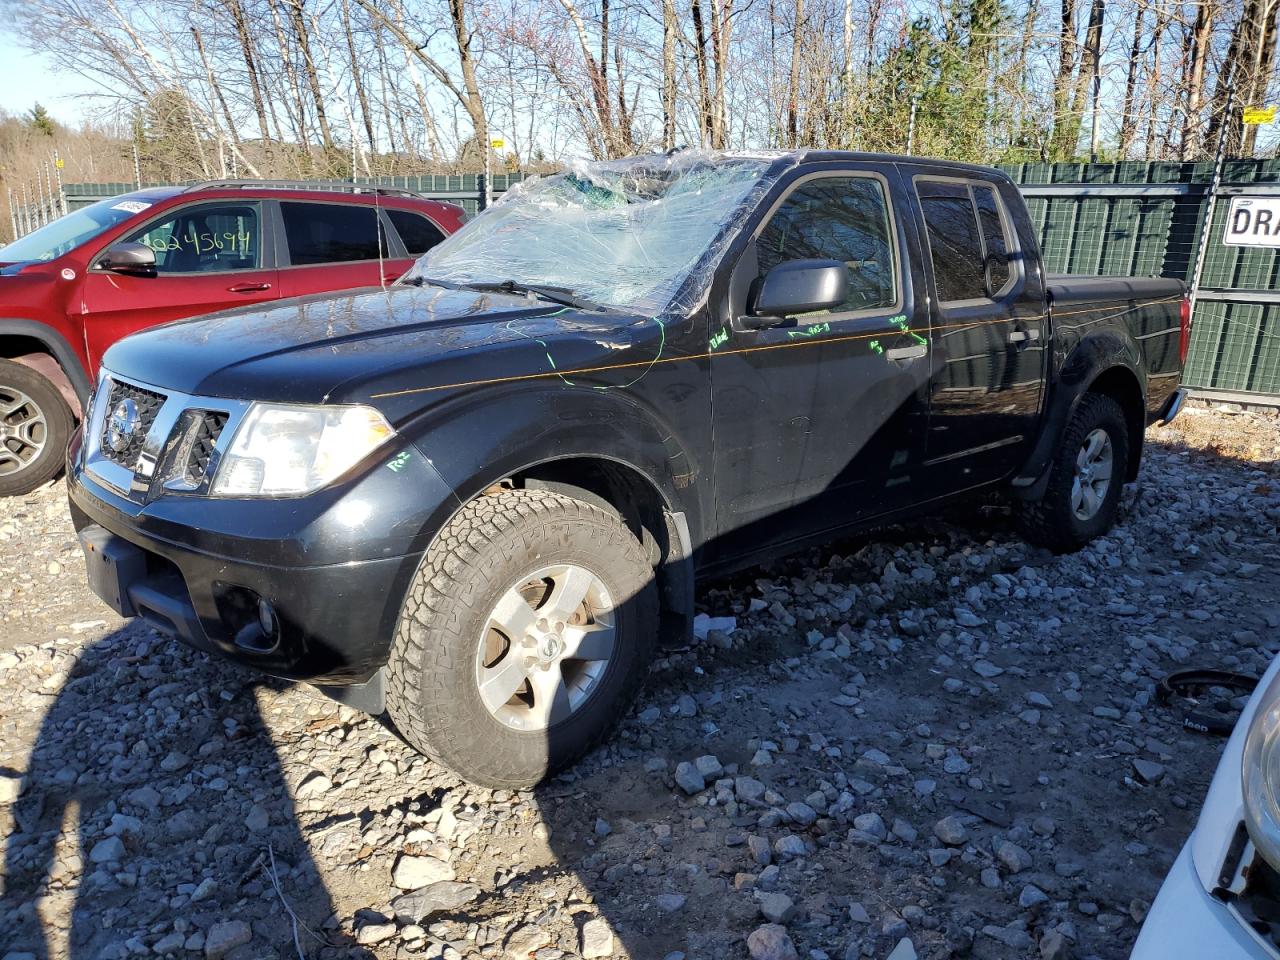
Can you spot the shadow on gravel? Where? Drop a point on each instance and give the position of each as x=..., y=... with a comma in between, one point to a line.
x=156, y=820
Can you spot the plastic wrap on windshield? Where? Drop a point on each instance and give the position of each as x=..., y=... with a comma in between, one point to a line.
x=641, y=233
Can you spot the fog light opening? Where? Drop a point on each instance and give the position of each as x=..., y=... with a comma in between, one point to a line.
x=267, y=622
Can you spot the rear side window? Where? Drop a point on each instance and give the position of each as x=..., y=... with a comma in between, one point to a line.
x=205, y=238
x=967, y=238
x=954, y=242
x=417, y=232
x=331, y=232
x=837, y=218
x=994, y=244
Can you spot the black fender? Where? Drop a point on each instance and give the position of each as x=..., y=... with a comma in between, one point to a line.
x=1108, y=356
x=59, y=348
x=475, y=441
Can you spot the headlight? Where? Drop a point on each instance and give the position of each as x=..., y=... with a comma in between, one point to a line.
x=284, y=450
x=1261, y=775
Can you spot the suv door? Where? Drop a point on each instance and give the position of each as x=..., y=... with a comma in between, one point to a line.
x=819, y=422
x=987, y=342
x=331, y=245
x=210, y=256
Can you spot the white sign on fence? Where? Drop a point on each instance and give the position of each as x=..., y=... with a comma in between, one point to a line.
x=1253, y=222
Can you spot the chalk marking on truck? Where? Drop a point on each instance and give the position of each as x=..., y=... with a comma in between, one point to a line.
x=409, y=391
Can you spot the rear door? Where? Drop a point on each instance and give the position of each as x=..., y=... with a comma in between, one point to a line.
x=820, y=422
x=987, y=333
x=332, y=245
x=211, y=255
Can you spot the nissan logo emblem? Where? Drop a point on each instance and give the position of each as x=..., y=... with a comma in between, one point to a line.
x=122, y=425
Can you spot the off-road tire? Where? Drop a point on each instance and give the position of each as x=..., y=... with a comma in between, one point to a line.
x=1050, y=521
x=492, y=542
x=57, y=416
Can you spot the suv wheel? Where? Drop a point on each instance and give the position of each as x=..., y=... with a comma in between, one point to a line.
x=1085, y=479
x=35, y=425
x=523, y=638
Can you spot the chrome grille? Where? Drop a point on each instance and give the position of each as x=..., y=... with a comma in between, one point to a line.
x=147, y=404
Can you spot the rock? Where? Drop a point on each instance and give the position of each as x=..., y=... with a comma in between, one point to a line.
x=169, y=943
x=871, y=823
x=444, y=896
x=413, y=873
x=1014, y=858
x=526, y=940
x=1031, y=896
x=602, y=828
x=258, y=819
x=708, y=767
x=689, y=779
x=1148, y=770
x=777, y=907
x=670, y=902
x=748, y=789
x=107, y=851
x=314, y=784
x=801, y=813
x=789, y=846
x=375, y=933
x=771, y=942
x=174, y=762
x=951, y=831
x=761, y=852
x=905, y=950
x=597, y=939
x=224, y=937
x=986, y=669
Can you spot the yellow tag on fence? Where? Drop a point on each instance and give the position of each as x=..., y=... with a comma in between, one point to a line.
x=1259, y=115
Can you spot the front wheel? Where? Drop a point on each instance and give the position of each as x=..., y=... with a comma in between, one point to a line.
x=35, y=424
x=1085, y=479
x=524, y=637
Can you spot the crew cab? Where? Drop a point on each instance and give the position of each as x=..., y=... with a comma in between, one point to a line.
x=73, y=287
x=478, y=497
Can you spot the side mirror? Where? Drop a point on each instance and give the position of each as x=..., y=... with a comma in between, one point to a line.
x=134, y=259
x=796, y=286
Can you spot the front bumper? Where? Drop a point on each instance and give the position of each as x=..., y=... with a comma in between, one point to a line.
x=1185, y=921
x=1172, y=407
x=334, y=567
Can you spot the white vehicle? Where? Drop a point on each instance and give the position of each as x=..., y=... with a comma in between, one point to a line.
x=1221, y=899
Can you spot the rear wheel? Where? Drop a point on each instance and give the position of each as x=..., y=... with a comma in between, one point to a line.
x=35, y=425
x=1085, y=479
x=524, y=637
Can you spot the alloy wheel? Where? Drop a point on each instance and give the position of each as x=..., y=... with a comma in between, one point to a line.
x=23, y=431
x=1092, y=480
x=545, y=646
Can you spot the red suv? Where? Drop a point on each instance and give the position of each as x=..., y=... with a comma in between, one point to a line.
x=75, y=286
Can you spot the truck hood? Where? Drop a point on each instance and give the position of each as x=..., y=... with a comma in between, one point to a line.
x=352, y=346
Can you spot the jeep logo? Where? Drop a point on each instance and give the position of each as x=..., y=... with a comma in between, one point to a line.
x=122, y=424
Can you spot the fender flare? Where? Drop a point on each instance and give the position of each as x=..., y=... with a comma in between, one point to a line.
x=1093, y=357
x=59, y=348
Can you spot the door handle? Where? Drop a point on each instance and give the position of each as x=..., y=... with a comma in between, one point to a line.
x=913, y=352
x=248, y=287
x=1024, y=336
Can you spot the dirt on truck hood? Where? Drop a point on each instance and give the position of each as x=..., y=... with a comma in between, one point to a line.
x=302, y=350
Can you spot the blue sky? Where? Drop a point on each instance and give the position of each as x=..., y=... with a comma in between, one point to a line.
x=26, y=78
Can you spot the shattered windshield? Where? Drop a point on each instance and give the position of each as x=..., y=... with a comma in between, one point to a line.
x=622, y=233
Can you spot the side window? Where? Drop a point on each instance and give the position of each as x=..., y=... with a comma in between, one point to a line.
x=418, y=233
x=954, y=242
x=205, y=238
x=331, y=232
x=994, y=241
x=837, y=218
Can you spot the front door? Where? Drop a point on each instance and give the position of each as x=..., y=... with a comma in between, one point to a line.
x=209, y=257
x=988, y=347
x=820, y=422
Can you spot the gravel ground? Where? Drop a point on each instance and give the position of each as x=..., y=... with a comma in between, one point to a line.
x=934, y=742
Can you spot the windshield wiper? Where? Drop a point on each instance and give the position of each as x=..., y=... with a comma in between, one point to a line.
x=561, y=295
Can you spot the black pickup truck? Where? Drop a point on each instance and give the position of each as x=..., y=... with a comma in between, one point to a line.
x=476, y=499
